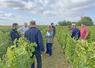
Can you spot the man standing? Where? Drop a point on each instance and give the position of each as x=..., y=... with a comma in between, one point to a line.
x=23, y=29
x=54, y=29
x=84, y=32
x=33, y=34
x=14, y=34
x=75, y=32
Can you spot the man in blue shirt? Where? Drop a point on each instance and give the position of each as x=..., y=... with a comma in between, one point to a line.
x=75, y=32
x=14, y=34
x=33, y=34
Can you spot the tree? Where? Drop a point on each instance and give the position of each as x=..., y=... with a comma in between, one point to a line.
x=86, y=20
x=64, y=23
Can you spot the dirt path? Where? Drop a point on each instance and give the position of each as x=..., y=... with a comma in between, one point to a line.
x=57, y=60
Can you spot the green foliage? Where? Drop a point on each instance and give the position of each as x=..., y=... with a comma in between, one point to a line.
x=4, y=42
x=86, y=20
x=20, y=56
x=81, y=53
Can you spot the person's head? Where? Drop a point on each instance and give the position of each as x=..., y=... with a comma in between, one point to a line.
x=50, y=28
x=52, y=24
x=83, y=25
x=32, y=23
x=25, y=25
x=15, y=25
x=73, y=25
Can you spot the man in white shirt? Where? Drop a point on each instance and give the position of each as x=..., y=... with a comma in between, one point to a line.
x=23, y=29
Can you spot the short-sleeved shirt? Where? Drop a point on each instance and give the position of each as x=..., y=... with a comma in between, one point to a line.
x=83, y=32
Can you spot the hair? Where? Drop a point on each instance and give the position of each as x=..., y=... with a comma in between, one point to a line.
x=25, y=23
x=32, y=23
x=52, y=23
x=14, y=24
x=50, y=27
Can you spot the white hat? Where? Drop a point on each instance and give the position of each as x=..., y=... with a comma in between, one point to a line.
x=73, y=24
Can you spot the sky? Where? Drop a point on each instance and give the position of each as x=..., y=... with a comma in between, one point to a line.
x=45, y=11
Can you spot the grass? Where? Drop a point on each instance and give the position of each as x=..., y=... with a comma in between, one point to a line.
x=57, y=60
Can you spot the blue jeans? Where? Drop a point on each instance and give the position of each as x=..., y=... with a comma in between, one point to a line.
x=39, y=60
x=49, y=48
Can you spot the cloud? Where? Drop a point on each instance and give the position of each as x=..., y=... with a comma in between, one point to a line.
x=5, y=15
x=49, y=8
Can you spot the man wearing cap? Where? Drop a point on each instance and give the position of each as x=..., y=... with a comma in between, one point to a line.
x=33, y=34
x=14, y=34
x=75, y=32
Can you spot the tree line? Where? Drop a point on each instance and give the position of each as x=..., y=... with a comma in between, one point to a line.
x=84, y=20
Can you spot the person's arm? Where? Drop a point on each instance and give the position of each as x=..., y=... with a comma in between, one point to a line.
x=17, y=35
x=40, y=41
x=51, y=34
x=12, y=36
x=79, y=34
x=25, y=35
x=46, y=35
x=87, y=33
x=72, y=33
x=20, y=30
x=54, y=30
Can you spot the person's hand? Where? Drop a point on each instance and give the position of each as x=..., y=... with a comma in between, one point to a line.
x=85, y=37
x=43, y=53
x=42, y=49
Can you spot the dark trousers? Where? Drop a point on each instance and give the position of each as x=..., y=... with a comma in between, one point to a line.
x=49, y=48
x=39, y=60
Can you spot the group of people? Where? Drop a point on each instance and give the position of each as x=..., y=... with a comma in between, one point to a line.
x=33, y=34
x=81, y=33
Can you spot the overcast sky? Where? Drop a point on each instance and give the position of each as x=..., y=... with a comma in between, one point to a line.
x=45, y=11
